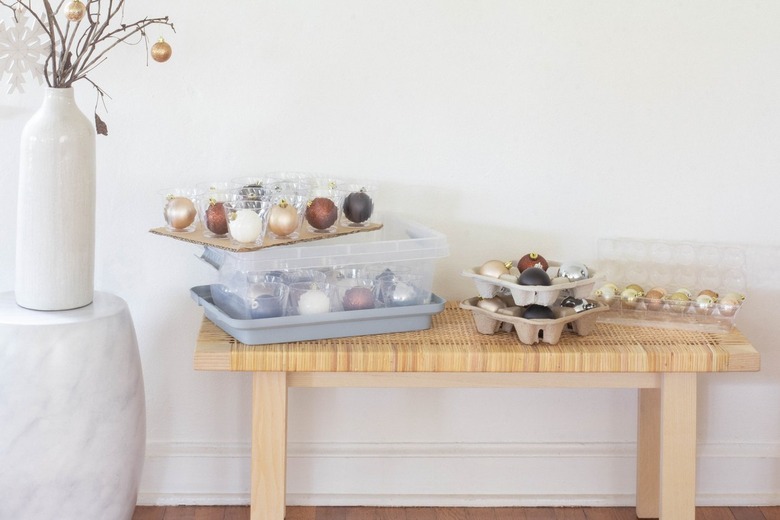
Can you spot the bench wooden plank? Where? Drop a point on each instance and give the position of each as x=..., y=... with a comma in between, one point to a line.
x=454, y=345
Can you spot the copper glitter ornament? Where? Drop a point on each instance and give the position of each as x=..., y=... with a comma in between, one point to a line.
x=216, y=221
x=321, y=213
x=358, y=298
x=161, y=51
x=532, y=260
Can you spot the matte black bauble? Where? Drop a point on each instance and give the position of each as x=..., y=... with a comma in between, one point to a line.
x=358, y=207
x=534, y=276
x=538, y=312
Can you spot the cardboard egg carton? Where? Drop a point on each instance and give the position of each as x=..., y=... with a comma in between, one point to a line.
x=533, y=331
x=488, y=286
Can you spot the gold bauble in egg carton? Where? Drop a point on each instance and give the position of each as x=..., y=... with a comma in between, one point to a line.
x=680, y=300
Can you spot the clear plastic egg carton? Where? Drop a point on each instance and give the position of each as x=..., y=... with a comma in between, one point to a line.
x=488, y=286
x=671, y=265
x=528, y=331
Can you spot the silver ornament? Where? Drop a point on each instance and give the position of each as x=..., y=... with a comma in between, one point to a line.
x=578, y=304
x=573, y=271
x=402, y=294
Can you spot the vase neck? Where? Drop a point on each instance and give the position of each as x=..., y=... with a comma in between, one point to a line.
x=58, y=95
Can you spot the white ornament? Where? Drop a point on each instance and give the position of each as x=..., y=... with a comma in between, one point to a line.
x=247, y=226
x=313, y=302
x=23, y=50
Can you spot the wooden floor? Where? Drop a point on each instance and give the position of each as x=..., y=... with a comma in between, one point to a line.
x=444, y=513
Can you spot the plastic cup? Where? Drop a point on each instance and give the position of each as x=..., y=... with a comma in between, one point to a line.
x=247, y=221
x=179, y=209
x=285, y=215
x=355, y=294
x=357, y=206
x=401, y=288
x=253, y=187
x=304, y=275
x=348, y=273
x=211, y=186
x=323, y=209
x=211, y=209
x=308, y=298
x=267, y=299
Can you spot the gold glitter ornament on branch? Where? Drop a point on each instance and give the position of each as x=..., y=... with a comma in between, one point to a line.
x=161, y=51
x=75, y=11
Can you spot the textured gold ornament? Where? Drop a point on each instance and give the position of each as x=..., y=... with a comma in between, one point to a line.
x=75, y=11
x=161, y=51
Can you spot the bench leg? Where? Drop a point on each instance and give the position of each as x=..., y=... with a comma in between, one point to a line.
x=648, y=458
x=269, y=445
x=678, y=447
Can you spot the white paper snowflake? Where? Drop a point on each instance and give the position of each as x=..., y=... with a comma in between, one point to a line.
x=23, y=49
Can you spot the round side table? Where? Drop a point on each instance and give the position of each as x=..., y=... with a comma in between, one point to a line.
x=72, y=411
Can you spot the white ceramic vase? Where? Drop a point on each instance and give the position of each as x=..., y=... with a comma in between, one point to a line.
x=55, y=233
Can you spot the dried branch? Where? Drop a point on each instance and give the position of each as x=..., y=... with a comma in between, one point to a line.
x=81, y=47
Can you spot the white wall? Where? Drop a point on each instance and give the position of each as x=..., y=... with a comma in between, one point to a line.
x=508, y=125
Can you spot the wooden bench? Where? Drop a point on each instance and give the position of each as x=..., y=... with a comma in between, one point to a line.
x=663, y=364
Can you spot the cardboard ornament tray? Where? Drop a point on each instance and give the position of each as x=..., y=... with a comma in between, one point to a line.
x=225, y=243
x=528, y=331
x=488, y=286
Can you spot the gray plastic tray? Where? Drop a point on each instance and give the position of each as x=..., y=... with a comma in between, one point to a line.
x=319, y=326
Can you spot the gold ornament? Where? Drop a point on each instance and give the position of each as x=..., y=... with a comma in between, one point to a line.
x=180, y=212
x=161, y=51
x=494, y=268
x=76, y=11
x=283, y=219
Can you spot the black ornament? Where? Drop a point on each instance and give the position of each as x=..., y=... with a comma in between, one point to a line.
x=534, y=276
x=358, y=207
x=538, y=312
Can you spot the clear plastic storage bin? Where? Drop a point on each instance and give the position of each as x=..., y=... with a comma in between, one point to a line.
x=395, y=265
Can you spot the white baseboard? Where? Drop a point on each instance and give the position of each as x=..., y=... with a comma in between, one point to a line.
x=451, y=474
